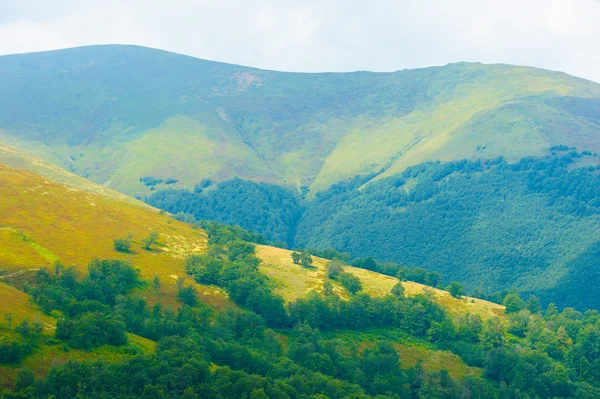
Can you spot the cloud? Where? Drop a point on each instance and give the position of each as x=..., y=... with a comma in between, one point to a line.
x=326, y=35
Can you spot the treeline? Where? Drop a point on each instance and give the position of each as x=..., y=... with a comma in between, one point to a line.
x=488, y=223
x=234, y=354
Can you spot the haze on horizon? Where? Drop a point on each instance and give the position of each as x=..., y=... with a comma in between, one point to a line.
x=331, y=35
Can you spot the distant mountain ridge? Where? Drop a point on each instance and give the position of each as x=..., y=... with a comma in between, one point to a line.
x=116, y=113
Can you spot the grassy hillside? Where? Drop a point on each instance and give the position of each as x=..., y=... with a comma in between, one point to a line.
x=295, y=281
x=492, y=224
x=11, y=156
x=335, y=344
x=118, y=113
x=42, y=222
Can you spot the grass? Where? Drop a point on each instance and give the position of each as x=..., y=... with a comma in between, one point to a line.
x=62, y=223
x=45, y=357
x=410, y=351
x=295, y=281
x=11, y=156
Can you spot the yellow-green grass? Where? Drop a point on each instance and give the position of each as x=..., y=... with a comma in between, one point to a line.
x=435, y=360
x=11, y=156
x=187, y=150
x=75, y=226
x=295, y=281
x=43, y=358
x=17, y=304
x=409, y=352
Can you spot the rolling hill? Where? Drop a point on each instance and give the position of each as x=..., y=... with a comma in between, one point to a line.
x=114, y=114
x=43, y=222
x=375, y=343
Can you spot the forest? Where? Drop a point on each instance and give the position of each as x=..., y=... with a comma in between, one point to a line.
x=264, y=348
x=491, y=224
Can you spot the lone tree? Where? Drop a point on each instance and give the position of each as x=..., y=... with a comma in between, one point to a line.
x=188, y=295
x=398, y=290
x=122, y=244
x=306, y=259
x=456, y=290
x=296, y=256
x=302, y=258
x=151, y=239
x=334, y=268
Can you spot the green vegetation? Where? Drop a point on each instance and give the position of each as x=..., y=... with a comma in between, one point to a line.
x=457, y=291
x=97, y=114
x=122, y=244
x=335, y=271
x=266, y=208
x=302, y=258
x=324, y=345
x=150, y=240
x=491, y=225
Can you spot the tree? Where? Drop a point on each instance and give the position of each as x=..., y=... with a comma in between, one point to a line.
x=9, y=318
x=513, y=302
x=351, y=283
x=398, y=290
x=456, y=290
x=296, y=256
x=328, y=288
x=334, y=268
x=306, y=259
x=151, y=239
x=25, y=378
x=122, y=244
x=156, y=284
x=533, y=304
x=188, y=295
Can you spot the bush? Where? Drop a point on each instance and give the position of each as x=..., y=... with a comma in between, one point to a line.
x=122, y=244
x=351, y=283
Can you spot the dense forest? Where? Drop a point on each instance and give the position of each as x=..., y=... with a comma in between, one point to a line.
x=315, y=347
x=265, y=208
x=491, y=224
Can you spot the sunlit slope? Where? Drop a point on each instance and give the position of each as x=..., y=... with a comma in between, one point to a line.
x=42, y=222
x=11, y=156
x=295, y=281
x=116, y=113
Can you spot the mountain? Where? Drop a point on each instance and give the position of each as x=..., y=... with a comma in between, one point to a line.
x=493, y=225
x=250, y=320
x=43, y=222
x=115, y=114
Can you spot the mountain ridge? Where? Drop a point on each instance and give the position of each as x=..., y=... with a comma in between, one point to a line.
x=114, y=114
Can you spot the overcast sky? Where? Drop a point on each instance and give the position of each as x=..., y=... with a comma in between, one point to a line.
x=325, y=35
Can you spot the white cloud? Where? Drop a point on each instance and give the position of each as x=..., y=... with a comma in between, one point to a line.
x=326, y=35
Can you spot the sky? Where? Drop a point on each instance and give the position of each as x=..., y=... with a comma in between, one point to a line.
x=325, y=35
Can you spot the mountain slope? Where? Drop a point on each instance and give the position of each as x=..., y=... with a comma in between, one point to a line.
x=42, y=222
x=118, y=113
x=295, y=281
x=11, y=156
x=494, y=225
